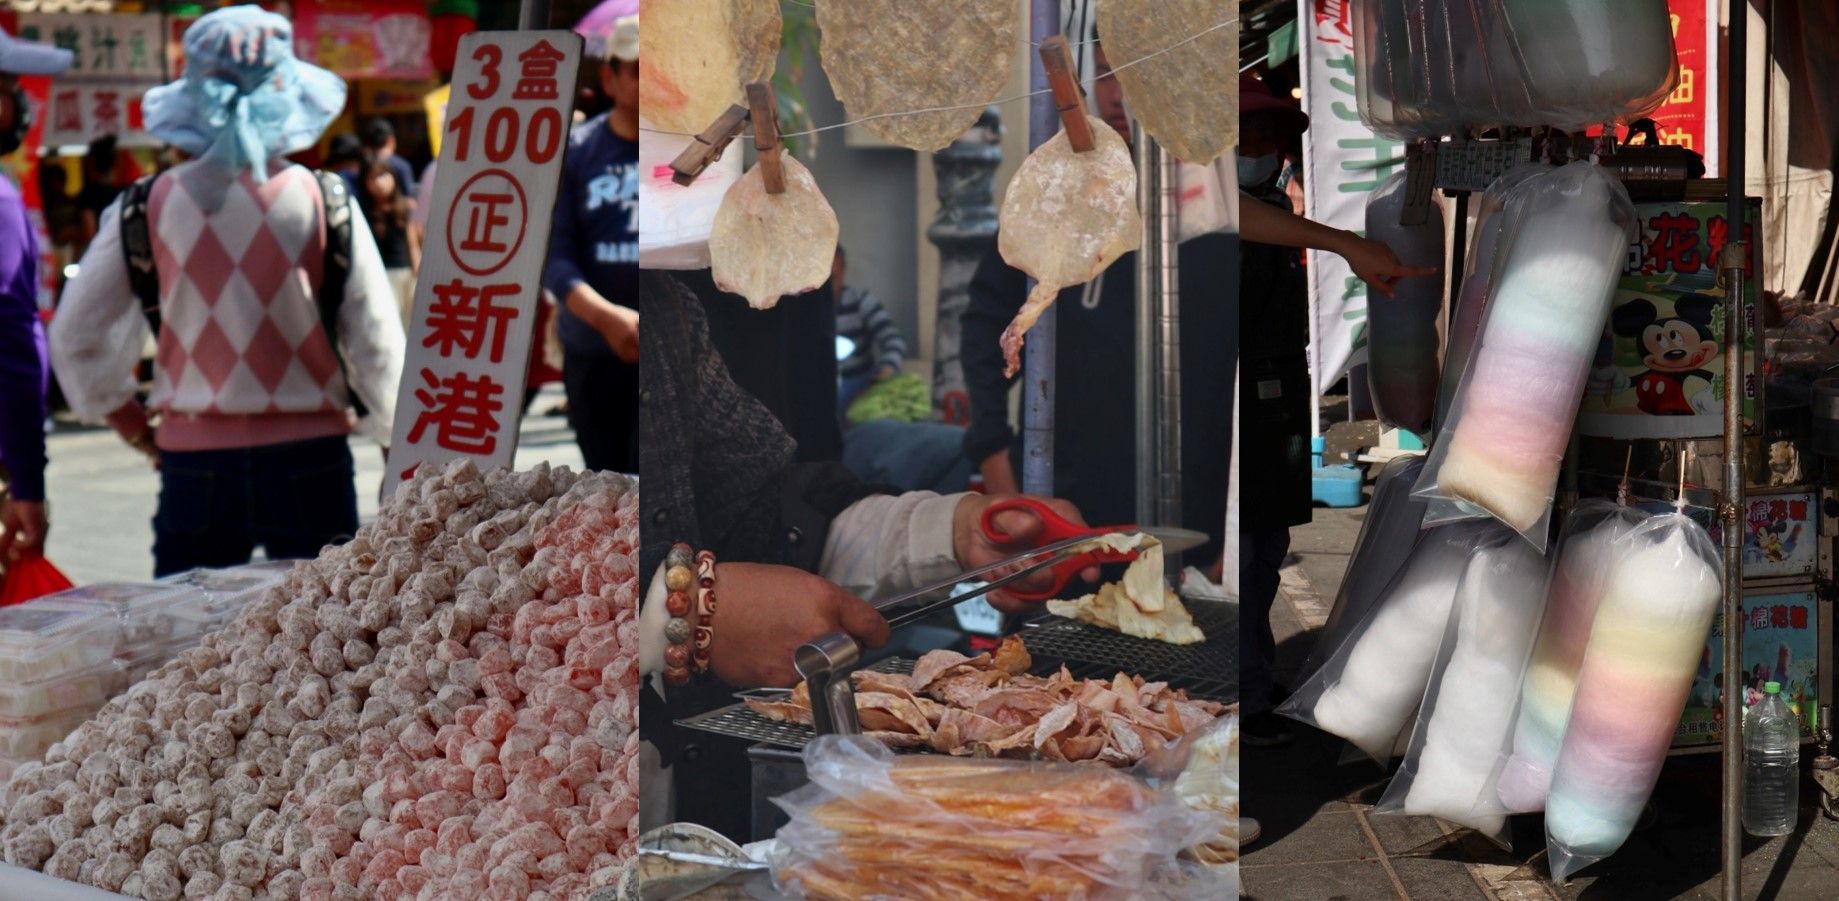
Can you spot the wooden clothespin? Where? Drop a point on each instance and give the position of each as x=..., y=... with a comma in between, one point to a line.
x=1069, y=99
x=764, y=110
x=708, y=146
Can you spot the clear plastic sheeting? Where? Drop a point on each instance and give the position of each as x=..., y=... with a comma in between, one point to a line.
x=1369, y=687
x=1593, y=531
x=1437, y=67
x=873, y=825
x=1562, y=253
x=1465, y=725
x=1202, y=769
x=1402, y=329
x=1387, y=533
x=1661, y=593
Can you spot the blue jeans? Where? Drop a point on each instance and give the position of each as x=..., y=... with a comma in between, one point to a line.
x=217, y=506
x=911, y=456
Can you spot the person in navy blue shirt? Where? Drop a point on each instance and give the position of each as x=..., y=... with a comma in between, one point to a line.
x=593, y=268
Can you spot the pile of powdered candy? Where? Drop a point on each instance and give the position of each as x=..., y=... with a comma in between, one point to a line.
x=443, y=707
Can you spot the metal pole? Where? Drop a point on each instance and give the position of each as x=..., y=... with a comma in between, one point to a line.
x=1736, y=254
x=1458, y=266
x=1168, y=359
x=1149, y=201
x=533, y=15
x=1038, y=353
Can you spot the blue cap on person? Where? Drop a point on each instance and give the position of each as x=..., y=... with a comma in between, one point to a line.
x=245, y=98
x=31, y=57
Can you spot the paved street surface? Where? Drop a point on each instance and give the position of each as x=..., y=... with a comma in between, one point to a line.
x=102, y=493
x=1322, y=840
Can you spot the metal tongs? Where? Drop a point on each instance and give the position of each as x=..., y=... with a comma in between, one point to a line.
x=826, y=663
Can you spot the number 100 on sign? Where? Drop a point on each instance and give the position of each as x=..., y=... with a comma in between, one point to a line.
x=501, y=128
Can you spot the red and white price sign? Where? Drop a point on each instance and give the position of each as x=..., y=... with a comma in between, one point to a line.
x=482, y=262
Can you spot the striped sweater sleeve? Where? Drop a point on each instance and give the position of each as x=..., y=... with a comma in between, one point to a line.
x=861, y=318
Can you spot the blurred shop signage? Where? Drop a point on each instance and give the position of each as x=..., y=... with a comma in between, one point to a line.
x=367, y=39
x=116, y=58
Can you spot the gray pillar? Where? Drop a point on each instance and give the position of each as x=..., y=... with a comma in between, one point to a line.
x=964, y=232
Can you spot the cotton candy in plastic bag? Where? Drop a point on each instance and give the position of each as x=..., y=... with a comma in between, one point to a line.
x=1368, y=688
x=1587, y=62
x=1435, y=67
x=1387, y=535
x=1477, y=280
x=1593, y=536
x=1561, y=256
x=1402, y=329
x=875, y=825
x=1465, y=724
x=1465, y=322
x=1661, y=594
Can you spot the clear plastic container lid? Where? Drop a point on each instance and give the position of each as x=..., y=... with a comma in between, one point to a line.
x=221, y=593
x=52, y=636
x=143, y=608
x=136, y=662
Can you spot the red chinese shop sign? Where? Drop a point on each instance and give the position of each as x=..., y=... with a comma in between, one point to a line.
x=488, y=233
x=1688, y=117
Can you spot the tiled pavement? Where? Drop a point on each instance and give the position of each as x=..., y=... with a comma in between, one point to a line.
x=1322, y=840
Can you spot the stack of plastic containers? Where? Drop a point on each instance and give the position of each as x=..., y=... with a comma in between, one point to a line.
x=63, y=656
x=57, y=666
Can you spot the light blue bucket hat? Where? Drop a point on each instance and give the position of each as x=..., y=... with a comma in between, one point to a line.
x=245, y=98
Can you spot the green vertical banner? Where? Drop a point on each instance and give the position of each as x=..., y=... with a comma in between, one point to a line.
x=1343, y=162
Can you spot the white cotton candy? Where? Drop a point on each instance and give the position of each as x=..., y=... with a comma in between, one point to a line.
x=1368, y=691
x=1463, y=735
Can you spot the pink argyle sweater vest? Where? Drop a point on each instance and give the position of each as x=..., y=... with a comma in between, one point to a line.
x=242, y=359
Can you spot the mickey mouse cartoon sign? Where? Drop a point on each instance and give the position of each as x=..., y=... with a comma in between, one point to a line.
x=1675, y=350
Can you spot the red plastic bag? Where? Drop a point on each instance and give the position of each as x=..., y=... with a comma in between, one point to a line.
x=31, y=577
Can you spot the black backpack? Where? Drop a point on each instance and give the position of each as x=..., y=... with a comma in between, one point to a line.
x=144, y=275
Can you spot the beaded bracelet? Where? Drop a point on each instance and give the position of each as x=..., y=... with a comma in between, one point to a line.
x=680, y=632
x=705, y=610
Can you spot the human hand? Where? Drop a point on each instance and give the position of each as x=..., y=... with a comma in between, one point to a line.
x=766, y=612
x=975, y=549
x=885, y=372
x=999, y=474
x=23, y=525
x=1377, y=265
x=620, y=327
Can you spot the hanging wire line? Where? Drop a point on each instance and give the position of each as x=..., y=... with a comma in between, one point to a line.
x=968, y=106
x=809, y=5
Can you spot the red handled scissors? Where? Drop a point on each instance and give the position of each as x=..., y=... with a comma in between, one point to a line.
x=1056, y=529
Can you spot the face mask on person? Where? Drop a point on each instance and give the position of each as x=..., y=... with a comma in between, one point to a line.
x=1258, y=170
x=11, y=138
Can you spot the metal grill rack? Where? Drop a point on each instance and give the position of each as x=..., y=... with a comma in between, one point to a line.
x=1208, y=670
x=737, y=721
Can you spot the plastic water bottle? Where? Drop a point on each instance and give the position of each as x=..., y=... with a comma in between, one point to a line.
x=1771, y=765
